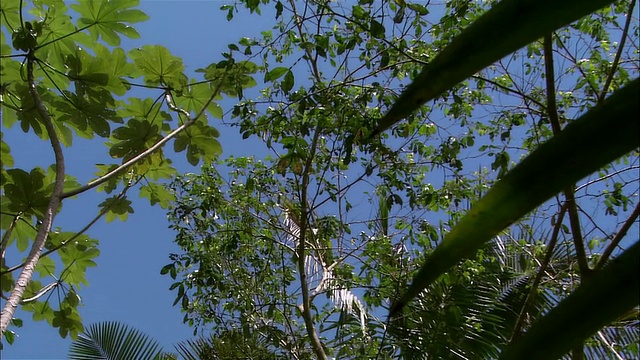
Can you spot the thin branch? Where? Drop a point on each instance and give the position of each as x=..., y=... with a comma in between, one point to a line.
x=316, y=344
x=50, y=213
x=606, y=177
x=75, y=236
x=609, y=346
x=616, y=59
x=569, y=191
x=618, y=237
x=150, y=150
x=517, y=330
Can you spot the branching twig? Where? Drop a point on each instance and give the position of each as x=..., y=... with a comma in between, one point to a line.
x=618, y=237
x=75, y=236
x=552, y=112
x=543, y=267
x=616, y=60
x=150, y=150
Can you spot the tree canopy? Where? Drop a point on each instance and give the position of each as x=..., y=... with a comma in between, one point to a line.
x=446, y=180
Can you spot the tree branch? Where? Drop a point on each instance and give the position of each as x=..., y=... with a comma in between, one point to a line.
x=517, y=330
x=616, y=59
x=618, y=237
x=552, y=112
x=50, y=213
x=153, y=148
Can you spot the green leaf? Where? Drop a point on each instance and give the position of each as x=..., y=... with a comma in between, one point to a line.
x=6, y=160
x=112, y=340
x=602, y=135
x=23, y=232
x=45, y=266
x=157, y=194
x=275, y=73
x=25, y=192
x=200, y=142
x=76, y=260
x=109, y=19
x=508, y=26
x=194, y=97
x=87, y=115
x=287, y=83
x=118, y=207
x=158, y=66
x=377, y=29
x=10, y=13
x=136, y=137
x=613, y=291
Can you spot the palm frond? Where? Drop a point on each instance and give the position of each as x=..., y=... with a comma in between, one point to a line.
x=114, y=341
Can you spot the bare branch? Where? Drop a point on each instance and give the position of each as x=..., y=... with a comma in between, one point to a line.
x=618, y=237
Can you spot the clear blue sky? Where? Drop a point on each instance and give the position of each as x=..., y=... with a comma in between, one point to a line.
x=127, y=285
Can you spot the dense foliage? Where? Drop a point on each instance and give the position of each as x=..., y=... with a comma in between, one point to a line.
x=64, y=76
x=388, y=135
x=310, y=245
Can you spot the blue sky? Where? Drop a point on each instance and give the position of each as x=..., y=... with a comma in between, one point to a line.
x=127, y=285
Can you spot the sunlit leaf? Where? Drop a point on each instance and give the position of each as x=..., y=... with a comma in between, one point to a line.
x=158, y=66
x=109, y=19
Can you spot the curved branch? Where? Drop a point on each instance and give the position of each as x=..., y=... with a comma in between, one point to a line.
x=616, y=60
x=50, y=213
x=618, y=237
x=75, y=236
x=152, y=149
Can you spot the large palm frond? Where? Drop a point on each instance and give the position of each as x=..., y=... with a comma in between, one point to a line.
x=114, y=341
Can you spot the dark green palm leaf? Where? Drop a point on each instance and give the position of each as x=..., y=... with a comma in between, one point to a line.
x=508, y=26
x=596, y=303
x=114, y=341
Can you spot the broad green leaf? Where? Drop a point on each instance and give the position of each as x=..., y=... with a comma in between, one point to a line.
x=508, y=26
x=76, y=261
x=599, y=137
x=45, y=266
x=145, y=109
x=68, y=320
x=23, y=232
x=109, y=19
x=112, y=183
x=200, y=142
x=613, y=291
x=117, y=208
x=275, y=73
x=59, y=39
x=6, y=160
x=6, y=280
x=161, y=170
x=158, y=66
x=194, y=97
x=25, y=192
x=157, y=194
x=41, y=310
x=50, y=178
x=135, y=137
x=287, y=83
x=10, y=13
